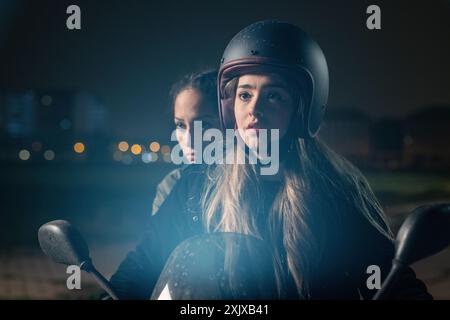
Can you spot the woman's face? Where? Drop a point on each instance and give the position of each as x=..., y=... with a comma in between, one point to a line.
x=191, y=106
x=262, y=102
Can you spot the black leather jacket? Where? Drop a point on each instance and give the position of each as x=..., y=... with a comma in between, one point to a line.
x=342, y=275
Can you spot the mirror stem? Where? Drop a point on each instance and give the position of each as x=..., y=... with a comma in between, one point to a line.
x=88, y=266
x=389, y=281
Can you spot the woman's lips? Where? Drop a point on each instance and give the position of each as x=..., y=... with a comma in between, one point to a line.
x=254, y=126
x=252, y=129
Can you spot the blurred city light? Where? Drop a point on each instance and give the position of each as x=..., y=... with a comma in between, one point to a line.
x=136, y=149
x=153, y=157
x=46, y=100
x=79, y=147
x=154, y=146
x=146, y=157
x=123, y=146
x=49, y=155
x=24, y=154
x=165, y=150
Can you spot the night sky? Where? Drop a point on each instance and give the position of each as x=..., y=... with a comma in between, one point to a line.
x=129, y=52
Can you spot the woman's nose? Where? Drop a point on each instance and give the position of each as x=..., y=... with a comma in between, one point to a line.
x=256, y=110
x=187, y=136
x=191, y=134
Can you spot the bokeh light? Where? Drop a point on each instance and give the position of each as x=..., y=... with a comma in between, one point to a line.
x=46, y=100
x=49, y=155
x=79, y=147
x=123, y=146
x=146, y=157
x=136, y=149
x=24, y=155
x=154, y=146
x=165, y=149
x=153, y=157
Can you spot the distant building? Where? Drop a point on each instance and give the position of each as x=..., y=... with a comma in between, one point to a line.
x=18, y=114
x=427, y=137
x=387, y=137
x=90, y=116
x=421, y=140
x=52, y=114
x=55, y=115
x=52, y=121
x=347, y=131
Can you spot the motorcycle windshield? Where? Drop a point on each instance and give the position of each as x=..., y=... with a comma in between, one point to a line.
x=218, y=266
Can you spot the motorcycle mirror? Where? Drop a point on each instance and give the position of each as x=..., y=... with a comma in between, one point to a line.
x=425, y=232
x=60, y=241
x=64, y=244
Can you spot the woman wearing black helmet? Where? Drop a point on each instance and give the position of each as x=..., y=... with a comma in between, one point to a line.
x=318, y=215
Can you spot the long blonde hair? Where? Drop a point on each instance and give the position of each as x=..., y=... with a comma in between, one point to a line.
x=315, y=183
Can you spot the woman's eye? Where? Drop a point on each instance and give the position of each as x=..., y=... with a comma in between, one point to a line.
x=180, y=125
x=274, y=96
x=245, y=96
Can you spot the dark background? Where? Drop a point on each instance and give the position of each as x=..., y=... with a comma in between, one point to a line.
x=389, y=112
x=129, y=53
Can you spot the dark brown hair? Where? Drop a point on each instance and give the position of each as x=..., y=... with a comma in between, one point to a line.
x=204, y=82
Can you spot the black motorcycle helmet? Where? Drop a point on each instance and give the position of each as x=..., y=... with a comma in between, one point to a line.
x=278, y=47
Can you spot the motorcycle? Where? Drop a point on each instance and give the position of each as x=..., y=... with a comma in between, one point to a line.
x=235, y=266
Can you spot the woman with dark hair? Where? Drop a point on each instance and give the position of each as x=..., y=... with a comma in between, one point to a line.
x=317, y=215
x=192, y=98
